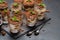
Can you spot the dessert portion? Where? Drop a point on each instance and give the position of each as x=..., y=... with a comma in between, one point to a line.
x=15, y=21
x=15, y=7
x=16, y=10
x=41, y=9
x=28, y=4
x=31, y=17
x=3, y=4
x=4, y=10
x=18, y=14
x=19, y=2
x=5, y=15
x=15, y=24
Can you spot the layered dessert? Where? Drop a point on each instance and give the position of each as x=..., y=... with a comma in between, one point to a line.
x=28, y=4
x=3, y=4
x=31, y=17
x=15, y=24
x=15, y=7
x=41, y=9
x=4, y=10
x=5, y=15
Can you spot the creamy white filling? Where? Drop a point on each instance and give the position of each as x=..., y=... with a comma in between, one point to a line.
x=43, y=10
x=39, y=13
x=40, y=17
x=6, y=19
x=40, y=10
x=32, y=23
x=12, y=28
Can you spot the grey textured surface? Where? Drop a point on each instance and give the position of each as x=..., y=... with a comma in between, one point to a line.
x=52, y=28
